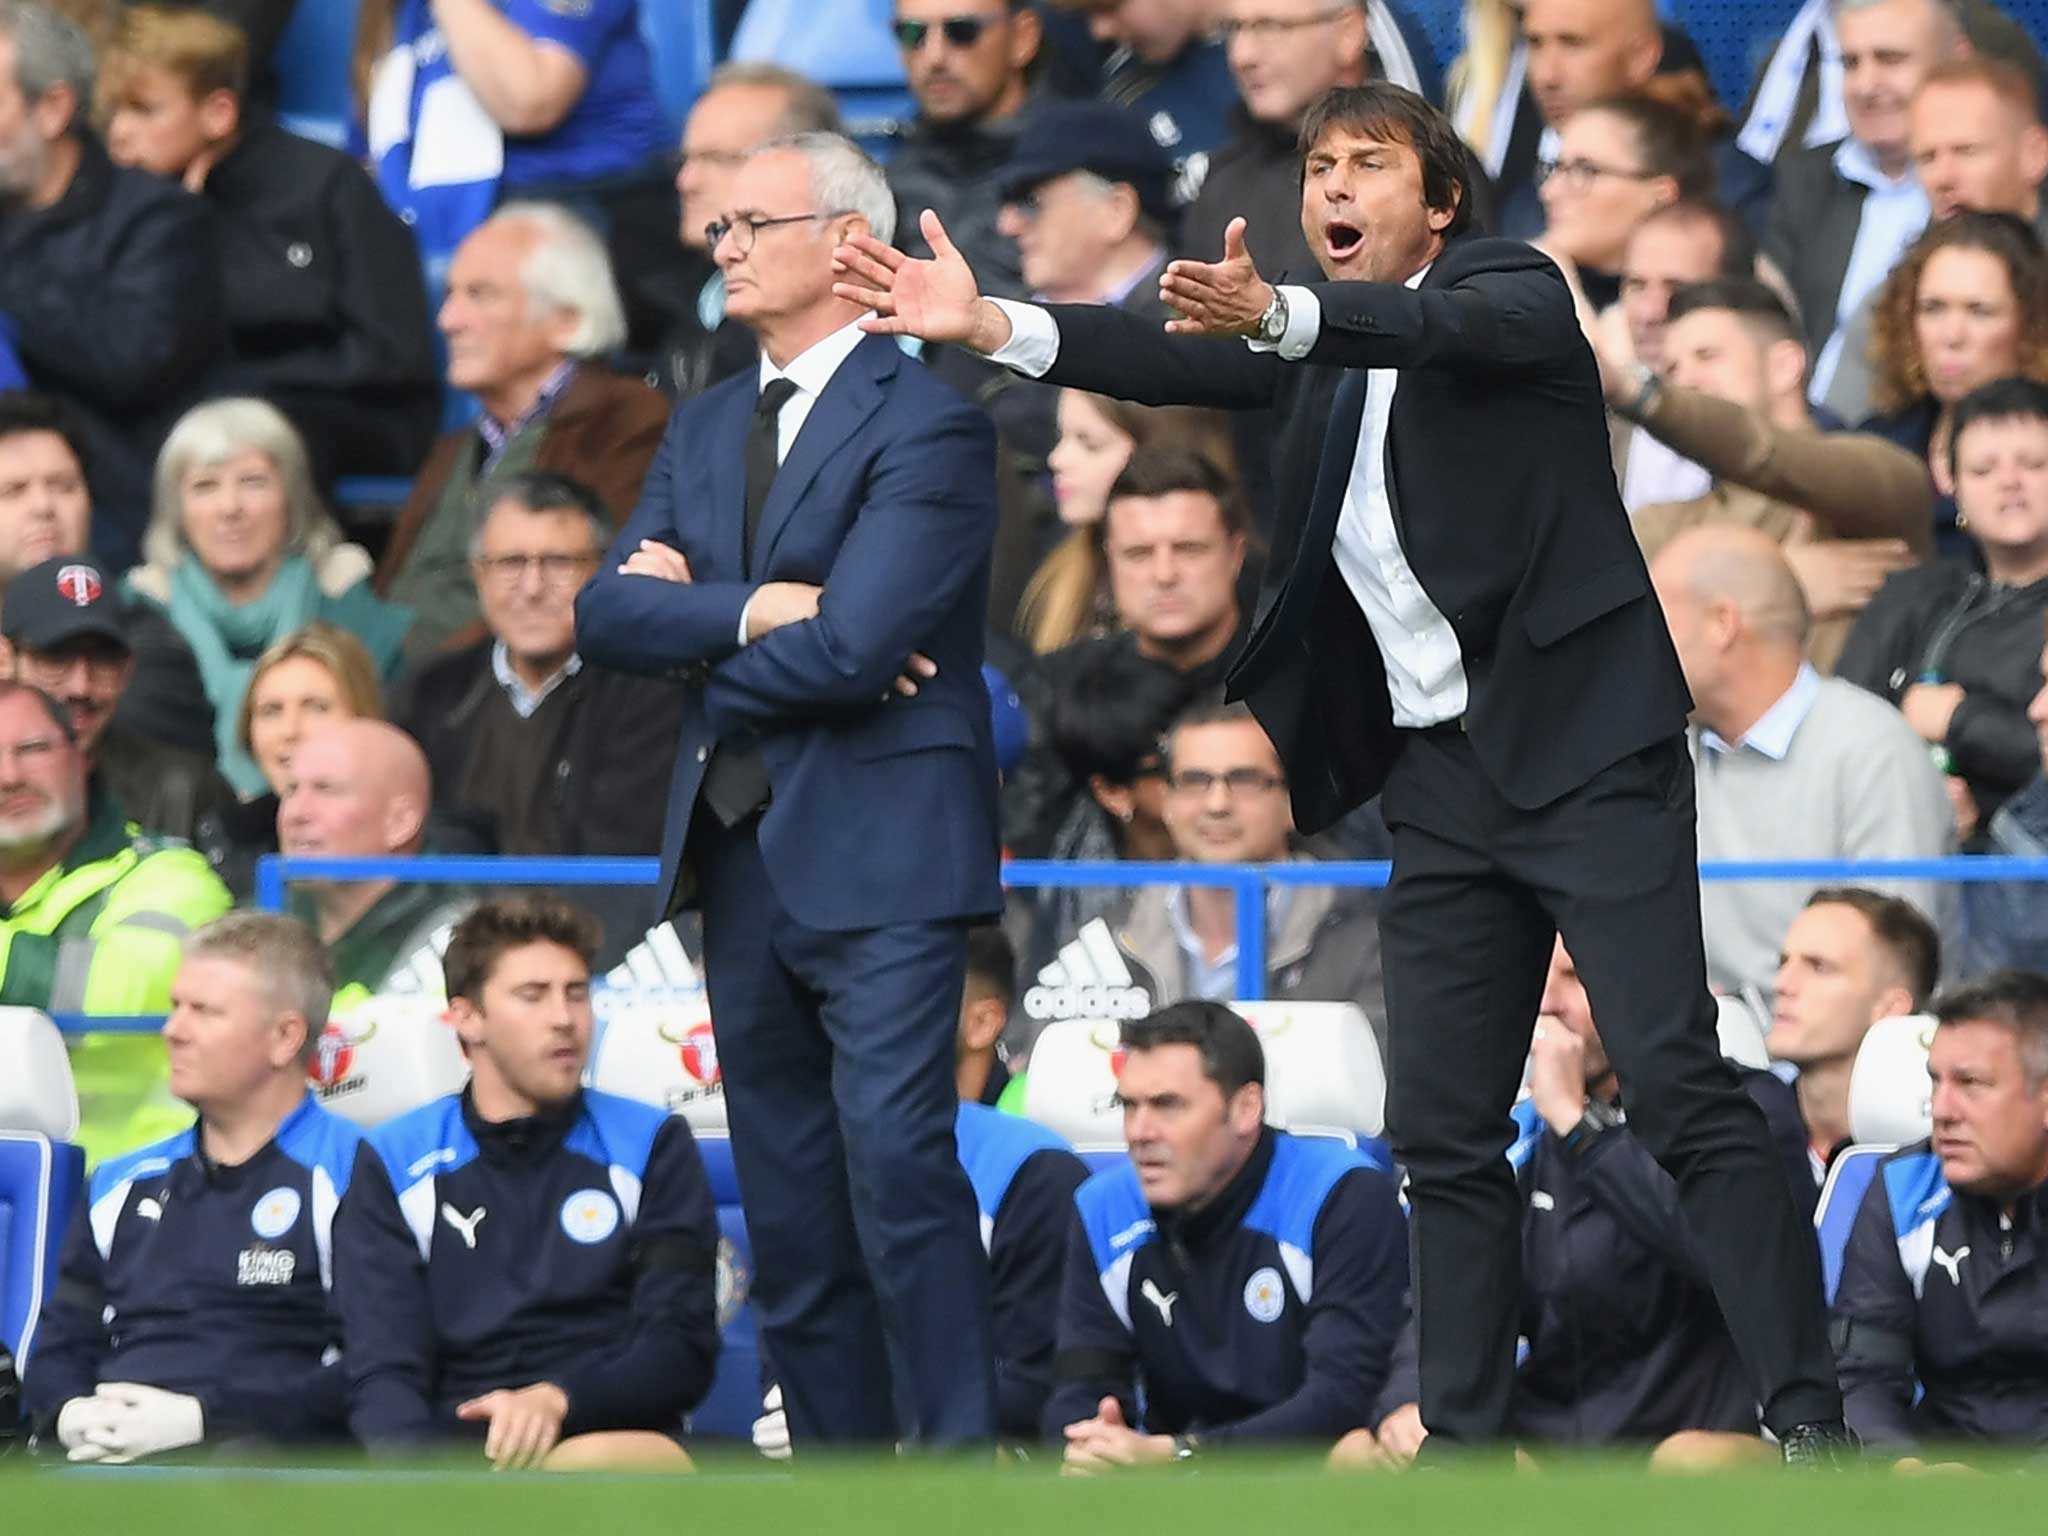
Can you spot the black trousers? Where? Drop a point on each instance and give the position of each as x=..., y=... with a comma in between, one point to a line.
x=1479, y=891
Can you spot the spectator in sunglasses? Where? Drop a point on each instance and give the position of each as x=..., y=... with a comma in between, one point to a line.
x=970, y=64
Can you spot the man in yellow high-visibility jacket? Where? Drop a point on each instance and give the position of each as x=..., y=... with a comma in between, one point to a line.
x=93, y=918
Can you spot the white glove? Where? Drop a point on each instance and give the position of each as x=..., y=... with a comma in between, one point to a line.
x=138, y=1421
x=771, y=1430
x=79, y=1421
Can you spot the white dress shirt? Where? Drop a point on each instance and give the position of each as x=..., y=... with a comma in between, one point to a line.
x=1894, y=213
x=1425, y=665
x=810, y=371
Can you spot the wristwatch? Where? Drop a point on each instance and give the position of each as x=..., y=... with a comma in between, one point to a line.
x=1273, y=323
x=1184, y=1448
x=1598, y=1119
x=1644, y=382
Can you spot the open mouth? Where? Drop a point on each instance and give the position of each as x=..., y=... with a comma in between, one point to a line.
x=1343, y=239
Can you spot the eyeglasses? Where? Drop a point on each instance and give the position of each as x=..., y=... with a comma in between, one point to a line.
x=1265, y=29
x=555, y=570
x=1580, y=175
x=1196, y=782
x=958, y=31
x=745, y=229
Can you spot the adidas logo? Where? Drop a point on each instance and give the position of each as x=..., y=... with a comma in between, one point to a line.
x=1088, y=980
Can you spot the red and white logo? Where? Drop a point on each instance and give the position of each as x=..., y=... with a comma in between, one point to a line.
x=79, y=585
x=700, y=1054
x=336, y=1052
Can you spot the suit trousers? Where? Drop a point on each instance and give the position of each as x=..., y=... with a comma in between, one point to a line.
x=837, y=1054
x=1479, y=891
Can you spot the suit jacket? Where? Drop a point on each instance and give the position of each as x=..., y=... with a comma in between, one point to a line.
x=1504, y=499
x=883, y=808
x=1815, y=213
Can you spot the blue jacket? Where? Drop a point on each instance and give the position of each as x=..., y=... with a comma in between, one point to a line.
x=1024, y=1179
x=1270, y=1314
x=215, y=1282
x=1937, y=1321
x=887, y=500
x=577, y=1248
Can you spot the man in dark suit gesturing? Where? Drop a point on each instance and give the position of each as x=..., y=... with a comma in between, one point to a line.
x=1463, y=621
x=810, y=559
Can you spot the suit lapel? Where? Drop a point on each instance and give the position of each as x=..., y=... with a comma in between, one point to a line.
x=727, y=473
x=851, y=396
x=1318, y=534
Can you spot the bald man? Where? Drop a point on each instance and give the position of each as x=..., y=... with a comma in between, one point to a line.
x=1789, y=764
x=361, y=789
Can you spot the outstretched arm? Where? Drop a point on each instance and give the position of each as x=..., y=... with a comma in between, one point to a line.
x=1097, y=347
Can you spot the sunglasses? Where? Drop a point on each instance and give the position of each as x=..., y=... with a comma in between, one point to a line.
x=959, y=31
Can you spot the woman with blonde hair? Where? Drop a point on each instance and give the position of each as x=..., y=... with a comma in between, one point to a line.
x=1067, y=597
x=239, y=553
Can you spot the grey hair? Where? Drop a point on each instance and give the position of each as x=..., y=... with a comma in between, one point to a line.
x=213, y=433
x=49, y=51
x=807, y=107
x=844, y=179
x=569, y=269
x=281, y=953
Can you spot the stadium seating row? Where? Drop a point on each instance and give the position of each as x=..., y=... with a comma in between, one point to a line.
x=1323, y=1067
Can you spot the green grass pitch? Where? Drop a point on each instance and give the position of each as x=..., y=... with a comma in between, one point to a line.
x=736, y=1496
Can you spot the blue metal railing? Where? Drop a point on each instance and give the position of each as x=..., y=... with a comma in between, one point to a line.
x=1250, y=882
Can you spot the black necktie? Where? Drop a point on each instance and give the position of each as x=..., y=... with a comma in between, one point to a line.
x=763, y=438
x=735, y=780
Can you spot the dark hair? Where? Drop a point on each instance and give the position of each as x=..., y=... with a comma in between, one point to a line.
x=1110, y=715
x=484, y=937
x=2000, y=400
x=991, y=961
x=1164, y=471
x=23, y=410
x=1668, y=142
x=2012, y=1000
x=1738, y=245
x=1393, y=114
x=1231, y=1053
x=1743, y=296
x=1209, y=710
x=1901, y=930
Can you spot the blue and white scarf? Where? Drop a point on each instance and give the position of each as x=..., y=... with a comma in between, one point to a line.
x=438, y=154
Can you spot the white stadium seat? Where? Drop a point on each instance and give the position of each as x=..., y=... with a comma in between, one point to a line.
x=36, y=1091
x=1889, y=1096
x=661, y=1051
x=1323, y=1074
x=386, y=1056
x=1323, y=1067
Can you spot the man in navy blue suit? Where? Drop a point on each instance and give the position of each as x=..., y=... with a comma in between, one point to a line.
x=810, y=560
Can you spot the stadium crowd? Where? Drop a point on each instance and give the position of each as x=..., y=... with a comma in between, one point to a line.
x=1820, y=319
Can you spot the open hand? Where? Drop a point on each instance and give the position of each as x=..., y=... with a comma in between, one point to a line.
x=935, y=298
x=1217, y=298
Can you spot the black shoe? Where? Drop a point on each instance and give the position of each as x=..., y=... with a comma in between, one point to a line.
x=1826, y=1443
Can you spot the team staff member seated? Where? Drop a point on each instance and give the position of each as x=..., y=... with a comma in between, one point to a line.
x=528, y=1262
x=1945, y=1279
x=1246, y=1283
x=193, y=1303
x=94, y=914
